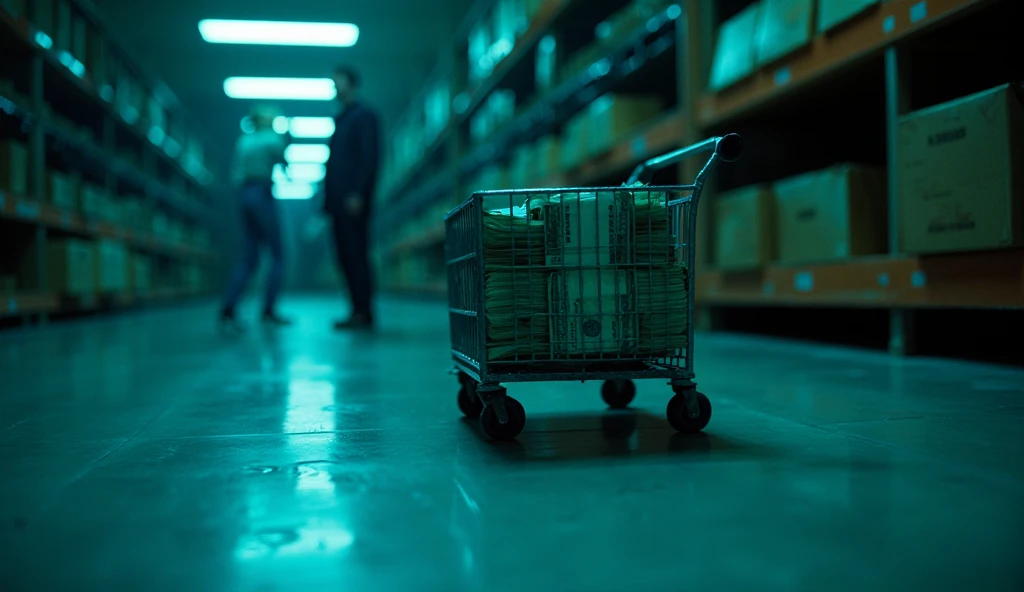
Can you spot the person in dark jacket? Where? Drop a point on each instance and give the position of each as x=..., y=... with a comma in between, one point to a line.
x=349, y=187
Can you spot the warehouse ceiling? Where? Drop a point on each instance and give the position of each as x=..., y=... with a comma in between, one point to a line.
x=399, y=45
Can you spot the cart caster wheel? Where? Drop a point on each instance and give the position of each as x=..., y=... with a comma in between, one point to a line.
x=508, y=430
x=469, y=403
x=681, y=420
x=618, y=394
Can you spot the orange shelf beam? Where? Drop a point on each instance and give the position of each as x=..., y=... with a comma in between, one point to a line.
x=957, y=280
x=865, y=36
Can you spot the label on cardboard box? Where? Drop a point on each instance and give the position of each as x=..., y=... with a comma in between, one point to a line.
x=957, y=191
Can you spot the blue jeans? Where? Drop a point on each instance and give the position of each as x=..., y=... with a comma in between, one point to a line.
x=262, y=229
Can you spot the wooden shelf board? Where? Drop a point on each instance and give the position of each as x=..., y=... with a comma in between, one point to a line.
x=864, y=36
x=27, y=303
x=956, y=280
x=27, y=210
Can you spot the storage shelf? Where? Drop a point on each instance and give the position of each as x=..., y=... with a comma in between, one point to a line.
x=962, y=280
x=22, y=209
x=21, y=303
x=430, y=288
x=541, y=24
x=28, y=303
x=23, y=32
x=865, y=36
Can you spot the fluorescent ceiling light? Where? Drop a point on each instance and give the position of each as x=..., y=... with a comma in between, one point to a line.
x=311, y=127
x=294, y=191
x=279, y=33
x=310, y=89
x=307, y=153
x=300, y=173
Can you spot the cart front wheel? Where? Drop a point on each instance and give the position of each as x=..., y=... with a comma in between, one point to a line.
x=515, y=417
x=618, y=394
x=469, y=403
x=679, y=417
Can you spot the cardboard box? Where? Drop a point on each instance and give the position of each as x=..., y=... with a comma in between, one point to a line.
x=15, y=8
x=14, y=167
x=8, y=285
x=62, y=190
x=783, y=27
x=546, y=157
x=832, y=214
x=111, y=266
x=574, y=141
x=63, y=25
x=521, y=174
x=92, y=200
x=832, y=13
x=744, y=228
x=735, y=50
x=71, y=265
x=80, y=39
x=614, y=116
x=141, y=274
x=41, y=14
x=960, y=174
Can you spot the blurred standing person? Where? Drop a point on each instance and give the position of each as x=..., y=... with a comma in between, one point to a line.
x=252, y=169
x=349, y=188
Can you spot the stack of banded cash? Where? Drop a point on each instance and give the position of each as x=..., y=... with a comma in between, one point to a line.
x=576, y=276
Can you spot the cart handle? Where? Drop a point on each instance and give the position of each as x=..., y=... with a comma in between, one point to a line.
x=727, y=148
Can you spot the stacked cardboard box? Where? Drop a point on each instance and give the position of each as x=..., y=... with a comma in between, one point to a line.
x=546, y=157
x=41, y=14
x=8, y=285
x=13, y=167
x=832, y=214
x=832, y=13
x=613, y=116
x=735, y=49
x=141, y=274
x=112, y=266
x=744, y=228
x=783, y=27
x=15, y=8
x=71, y=265
x=92, y=200
x=62, y=190
x=575, y=136
x=960, y=167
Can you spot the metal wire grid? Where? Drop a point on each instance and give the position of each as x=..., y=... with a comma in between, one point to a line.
x=641, y=287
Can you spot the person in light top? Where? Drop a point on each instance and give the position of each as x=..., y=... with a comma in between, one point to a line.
x=252, y=168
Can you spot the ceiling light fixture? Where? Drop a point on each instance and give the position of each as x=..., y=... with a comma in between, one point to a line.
x=293, y=190
x=307, y=153
x=279, y=33
x=300, y=173
x=308, y=127
x=296, y=89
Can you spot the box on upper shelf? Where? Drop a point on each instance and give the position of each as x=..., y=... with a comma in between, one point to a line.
x=783, y=27
x=62, y=190
x=8, y=285
x=63, y=25
x=613, y=116
x=735, y=50
x=574, y=140
x=744, y=228
x=832, y=13
x=546, y=157
x=70, y=265
x=14, y=167
x=141, y=268
x=112, y=266
x=41, y=13
x=832, y=214
x=960, y=168
x=15, y=8
x=92, y=200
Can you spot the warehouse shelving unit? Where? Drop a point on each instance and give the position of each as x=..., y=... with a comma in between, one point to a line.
x=71, y=119
x=861, y=65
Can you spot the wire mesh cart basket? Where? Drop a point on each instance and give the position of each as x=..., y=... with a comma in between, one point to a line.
x=581, y=283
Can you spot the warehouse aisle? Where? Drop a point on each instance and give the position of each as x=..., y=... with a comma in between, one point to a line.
x=144, y=452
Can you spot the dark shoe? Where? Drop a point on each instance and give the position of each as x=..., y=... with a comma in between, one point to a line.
x=354, y=323
x=228, y=323
x=272, y=319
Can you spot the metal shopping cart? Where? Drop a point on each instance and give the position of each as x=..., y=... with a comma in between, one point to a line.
x=580, y=283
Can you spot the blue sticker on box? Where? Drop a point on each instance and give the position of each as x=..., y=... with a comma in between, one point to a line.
x=919, y=12
x=883, y=280
x=769, y=288
x=918, y=279
x=783, y=76
x=639, y=146
x=12, y=305
x=1, y=199
x=803, y=281
x=889, y=24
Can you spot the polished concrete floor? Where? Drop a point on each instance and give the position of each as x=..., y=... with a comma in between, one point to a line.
x=145, y=452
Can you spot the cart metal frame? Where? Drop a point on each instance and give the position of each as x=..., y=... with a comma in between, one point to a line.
x=464, y=248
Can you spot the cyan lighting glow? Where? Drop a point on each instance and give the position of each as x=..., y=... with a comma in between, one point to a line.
x=294, y=190
x=300, y=173
x=279, y=33
x=43, y=40
x=281, y=125
x=311, y=127
x=307, y=153
x=305, y=89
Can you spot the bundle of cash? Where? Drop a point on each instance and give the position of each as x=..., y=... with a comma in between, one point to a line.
x=584, y=275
